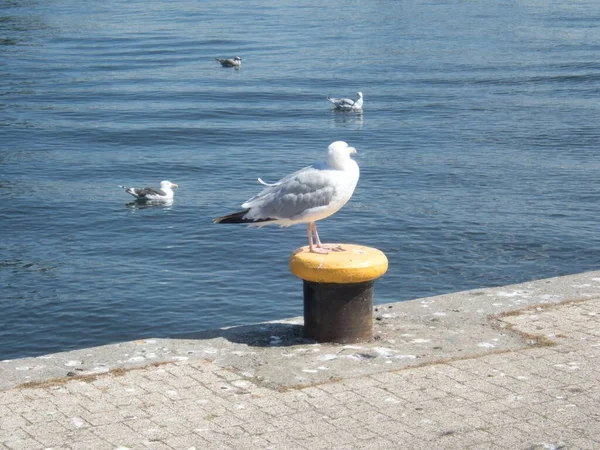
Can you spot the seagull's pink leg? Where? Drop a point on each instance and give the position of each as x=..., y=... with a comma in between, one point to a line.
x=319, y=248
x=310, y=239
x=333, y=247
x=314, y=227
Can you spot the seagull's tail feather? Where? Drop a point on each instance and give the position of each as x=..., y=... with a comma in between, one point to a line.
x=129, y=190
x=238, y=217
x=264, y=183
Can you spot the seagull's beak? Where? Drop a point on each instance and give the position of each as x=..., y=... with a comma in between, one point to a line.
x=352, y=151
x=174, y=185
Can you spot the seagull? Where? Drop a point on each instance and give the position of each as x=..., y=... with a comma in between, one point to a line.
x=165, y=193
x=311, y=194
x=230, y=62
x=346, y=104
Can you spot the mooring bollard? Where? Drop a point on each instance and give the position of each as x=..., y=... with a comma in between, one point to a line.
x=338, y=291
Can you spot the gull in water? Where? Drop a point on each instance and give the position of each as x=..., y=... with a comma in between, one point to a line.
x=165, y=193
x=347, y=104
x=311, y=194
x=230, y=62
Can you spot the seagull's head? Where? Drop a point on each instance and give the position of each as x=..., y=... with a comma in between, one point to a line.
x=167, y=185
x=237, y=58
x=338, y=154
x=359, y=94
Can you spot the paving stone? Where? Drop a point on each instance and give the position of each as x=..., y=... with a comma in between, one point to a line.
x=117, y=434
x=12, y=397
x=149, y=430
x=10, y=421
x=49, y=434
x=247, y=443
x=92, y=444
x=315, y=443
x=22, y=444
x=258, y=428
x=155, y=445
x=186, y=441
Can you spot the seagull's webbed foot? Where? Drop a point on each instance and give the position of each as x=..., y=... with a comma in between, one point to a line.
x=333, y=247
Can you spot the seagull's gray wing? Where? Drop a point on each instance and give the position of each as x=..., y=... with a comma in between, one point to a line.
x=144, y=192
x=342, y=102
x=311, y=187
x=346, y=102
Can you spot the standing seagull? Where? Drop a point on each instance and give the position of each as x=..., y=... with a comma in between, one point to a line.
x=165, y=192
x=346, y=104
x=230, y=62
x=311, y=194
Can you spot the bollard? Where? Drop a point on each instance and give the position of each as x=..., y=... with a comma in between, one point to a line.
x=338, y=291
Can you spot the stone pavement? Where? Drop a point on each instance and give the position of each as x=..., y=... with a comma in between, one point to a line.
x=503, y=368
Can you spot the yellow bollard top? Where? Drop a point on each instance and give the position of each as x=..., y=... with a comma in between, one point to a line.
x=356, y=264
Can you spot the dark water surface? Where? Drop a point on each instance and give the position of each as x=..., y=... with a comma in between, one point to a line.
x=478, y=147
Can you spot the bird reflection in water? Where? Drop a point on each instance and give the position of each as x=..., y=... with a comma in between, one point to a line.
x=143, y=204
x=345, y=118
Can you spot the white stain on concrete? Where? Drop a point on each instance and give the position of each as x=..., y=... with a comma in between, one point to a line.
x=327, y=357
x=486, y=345
x=135, y=359
x=384, y=351
x=73, y=363
x=77, y=422
x=517, y=293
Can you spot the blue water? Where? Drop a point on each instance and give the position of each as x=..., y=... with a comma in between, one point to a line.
x=478, y=150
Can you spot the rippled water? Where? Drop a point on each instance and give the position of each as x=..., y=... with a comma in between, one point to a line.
x=478, y=150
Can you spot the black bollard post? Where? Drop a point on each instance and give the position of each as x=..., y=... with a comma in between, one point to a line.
x=338, y=292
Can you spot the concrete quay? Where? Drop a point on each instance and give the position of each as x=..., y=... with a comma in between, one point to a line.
x=514, y=367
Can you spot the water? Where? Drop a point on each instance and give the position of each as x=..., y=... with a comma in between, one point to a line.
x=478, y=151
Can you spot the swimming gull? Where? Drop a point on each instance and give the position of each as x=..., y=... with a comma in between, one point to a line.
x=230, y=62
x=347, y=104
x=165, y=192
x=311, y=194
